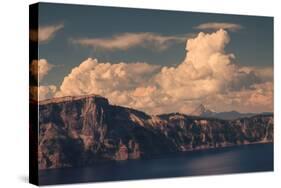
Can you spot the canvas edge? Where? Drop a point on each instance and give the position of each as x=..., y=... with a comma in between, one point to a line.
x=33, y=106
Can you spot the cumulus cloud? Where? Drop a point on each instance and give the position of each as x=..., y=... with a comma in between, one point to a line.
x=40, y=68
x=219, y=25
x=125, y=41
x=257, y=98
x=42, y=92
x=206, y=70
x=103, y=78
x=207, y=75
x=45, y=33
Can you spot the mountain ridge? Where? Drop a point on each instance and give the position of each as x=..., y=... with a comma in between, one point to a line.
x=84, y=130
x=202, y=111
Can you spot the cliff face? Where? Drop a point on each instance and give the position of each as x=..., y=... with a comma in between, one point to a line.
x=79, y=131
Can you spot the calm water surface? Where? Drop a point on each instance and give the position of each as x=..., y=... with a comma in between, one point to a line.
x=239, y=159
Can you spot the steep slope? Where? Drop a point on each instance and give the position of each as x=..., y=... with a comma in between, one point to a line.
x=201, y=110
x=79, y=131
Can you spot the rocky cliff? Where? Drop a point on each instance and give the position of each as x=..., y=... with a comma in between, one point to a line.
x=79, y=131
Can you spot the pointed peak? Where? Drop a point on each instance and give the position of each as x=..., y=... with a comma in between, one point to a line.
x=199, y=110
x=201, y=106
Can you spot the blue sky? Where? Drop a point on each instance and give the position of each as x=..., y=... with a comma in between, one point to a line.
x=150, y=59
x=252, y=45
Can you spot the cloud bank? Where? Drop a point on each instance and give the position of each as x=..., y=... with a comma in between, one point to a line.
x=40, y=68
x=219, y=25
x=207, y=75
x=43, y=92
x=125, y=41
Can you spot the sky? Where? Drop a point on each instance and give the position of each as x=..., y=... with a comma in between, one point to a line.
x=156, y=61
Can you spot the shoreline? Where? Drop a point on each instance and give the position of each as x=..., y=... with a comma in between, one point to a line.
x=200, y=150
x=164, y=155
x=228, y=146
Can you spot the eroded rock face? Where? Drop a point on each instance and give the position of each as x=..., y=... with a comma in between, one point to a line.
x=130, y=151
x=80, y=131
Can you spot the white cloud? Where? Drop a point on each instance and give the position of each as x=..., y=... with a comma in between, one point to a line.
x=125, y=41
x=219, y=25
x=104, y=78
x=45, y=33
x=257, y=98
x=46, y=92
x=205, y=70
x=207, y=75
x=43, y=92
x=40, y=68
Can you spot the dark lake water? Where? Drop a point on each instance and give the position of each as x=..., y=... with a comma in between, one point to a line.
x=239, y=159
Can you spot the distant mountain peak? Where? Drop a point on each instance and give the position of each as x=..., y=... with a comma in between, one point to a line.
x=200, y=110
